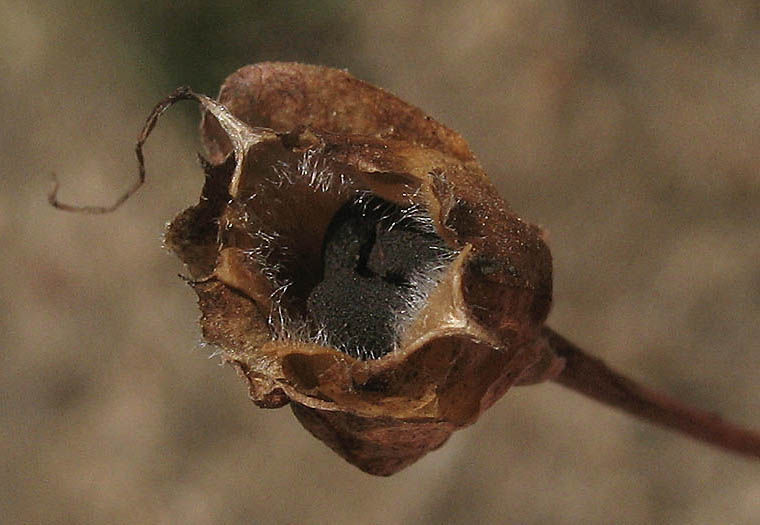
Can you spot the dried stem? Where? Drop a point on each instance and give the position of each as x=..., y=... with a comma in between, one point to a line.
x=592, y=377
x=181, y=93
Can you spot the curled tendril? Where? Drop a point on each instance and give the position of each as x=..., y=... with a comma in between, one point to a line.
x=181, y=93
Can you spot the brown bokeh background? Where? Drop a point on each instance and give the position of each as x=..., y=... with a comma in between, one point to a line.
x=629, y=130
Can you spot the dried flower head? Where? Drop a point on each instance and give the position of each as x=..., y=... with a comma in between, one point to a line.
x=351, y=258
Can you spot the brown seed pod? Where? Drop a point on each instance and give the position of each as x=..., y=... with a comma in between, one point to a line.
x=351, y=258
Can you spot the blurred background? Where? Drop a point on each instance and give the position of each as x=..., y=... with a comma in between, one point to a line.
x=629, y=130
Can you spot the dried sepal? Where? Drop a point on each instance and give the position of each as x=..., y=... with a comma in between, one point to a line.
x=306, y=164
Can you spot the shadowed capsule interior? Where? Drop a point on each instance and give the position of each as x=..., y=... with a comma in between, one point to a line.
x=375, y=255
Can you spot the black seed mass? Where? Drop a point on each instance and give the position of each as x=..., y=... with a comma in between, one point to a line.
x=373, y=255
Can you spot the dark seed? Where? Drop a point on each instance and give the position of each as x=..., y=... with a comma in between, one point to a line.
x=372, y=257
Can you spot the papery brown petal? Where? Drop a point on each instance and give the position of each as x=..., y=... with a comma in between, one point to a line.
x=379, y=446
x=288, y=96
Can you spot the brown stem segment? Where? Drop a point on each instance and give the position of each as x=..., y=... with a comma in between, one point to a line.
x=592, y=377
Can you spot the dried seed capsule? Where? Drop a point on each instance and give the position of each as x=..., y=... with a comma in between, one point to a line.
x=352, y=258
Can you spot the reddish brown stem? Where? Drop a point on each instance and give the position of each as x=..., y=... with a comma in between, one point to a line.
x=592, y=377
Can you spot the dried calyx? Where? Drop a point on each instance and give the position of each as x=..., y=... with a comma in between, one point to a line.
x=361, y=266
x=351, y=258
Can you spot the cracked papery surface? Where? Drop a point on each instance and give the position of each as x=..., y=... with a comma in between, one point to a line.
x=376, y=259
